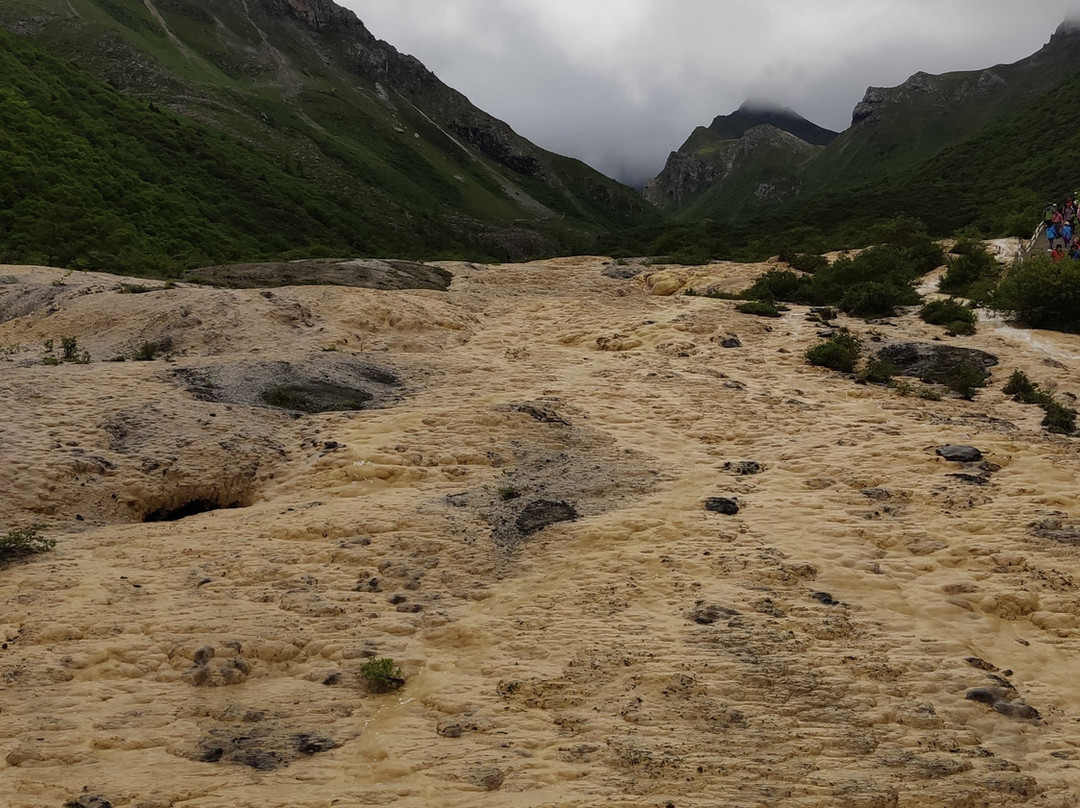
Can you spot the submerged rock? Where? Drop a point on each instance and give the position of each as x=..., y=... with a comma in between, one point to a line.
x=960, y=454
x=724, y=505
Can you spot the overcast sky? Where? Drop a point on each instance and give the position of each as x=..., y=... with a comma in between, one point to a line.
x=621, y=83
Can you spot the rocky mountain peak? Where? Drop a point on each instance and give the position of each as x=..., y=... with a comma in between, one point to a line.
x=317, y=13
x=757, y=112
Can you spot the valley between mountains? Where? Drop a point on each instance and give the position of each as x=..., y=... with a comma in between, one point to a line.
x=503, y=488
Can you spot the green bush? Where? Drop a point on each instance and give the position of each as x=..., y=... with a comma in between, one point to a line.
x=149, y=351
x=1041, y=293
x=971, y=271
x=871, y=300
x=838, y=352
x=780, y=284
x=954, y=315
x=1021, y=388
x=1058, y=418
x=878, y=371
x=24, y=541
x=808, y=262
x=872, y=284
x=961, y=376
x=383, y=674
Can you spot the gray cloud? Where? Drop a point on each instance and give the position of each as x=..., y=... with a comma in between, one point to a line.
x=620, y=83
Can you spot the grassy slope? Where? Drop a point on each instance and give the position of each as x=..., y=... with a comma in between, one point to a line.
x=920, y=120
x=384, y=176
x=88, y=174
x=996, y=180
x=912, y=131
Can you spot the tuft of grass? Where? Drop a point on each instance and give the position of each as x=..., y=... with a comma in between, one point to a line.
x=508, y=492
x=149, y=351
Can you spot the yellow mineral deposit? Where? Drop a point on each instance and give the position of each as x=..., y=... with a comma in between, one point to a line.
x=508, y=500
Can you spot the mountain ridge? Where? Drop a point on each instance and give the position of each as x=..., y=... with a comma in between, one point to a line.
x=893, y=130
x=307, y=85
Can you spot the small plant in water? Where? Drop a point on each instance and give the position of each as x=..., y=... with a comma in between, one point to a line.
x=383, y=674
x=24, y=541
x=508, y=492
x=69, y=347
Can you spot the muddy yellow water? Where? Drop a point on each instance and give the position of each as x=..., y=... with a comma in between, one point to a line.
x=814, y=649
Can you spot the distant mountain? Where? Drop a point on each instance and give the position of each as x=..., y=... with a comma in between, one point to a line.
x=759, y=113
x=290, y=99
x=748, y=158
x=893, y=131
x=897, y=128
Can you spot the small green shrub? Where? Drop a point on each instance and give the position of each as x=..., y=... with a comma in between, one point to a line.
x=69, y=347
x=1059, y=418
x=761, y=308
x=779, y=284
x=873, y=299
x=808, y=262
x=289, y=397
x=1021, y=387
x=838, y=352
x=970, y=271
x=383, y=674
x=508, y=492
x=149, y=351
x=1042, y=294
x=951, y=313
x=716, y=294
x=878, y=371
x=963, y=377
x=24, y=541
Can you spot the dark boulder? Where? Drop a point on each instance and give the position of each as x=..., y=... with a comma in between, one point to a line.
x=540, y=513
x=960, y=454
x=724, y=505
x=936, y=364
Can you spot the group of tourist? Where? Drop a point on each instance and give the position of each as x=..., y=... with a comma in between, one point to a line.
x=1063, y=229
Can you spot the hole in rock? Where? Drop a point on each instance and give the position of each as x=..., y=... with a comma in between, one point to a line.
x=185, y=509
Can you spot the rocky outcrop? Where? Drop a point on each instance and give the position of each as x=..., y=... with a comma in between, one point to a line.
x=685, y=176
x=498, y=144
x=320, y=14
x=688, y=174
